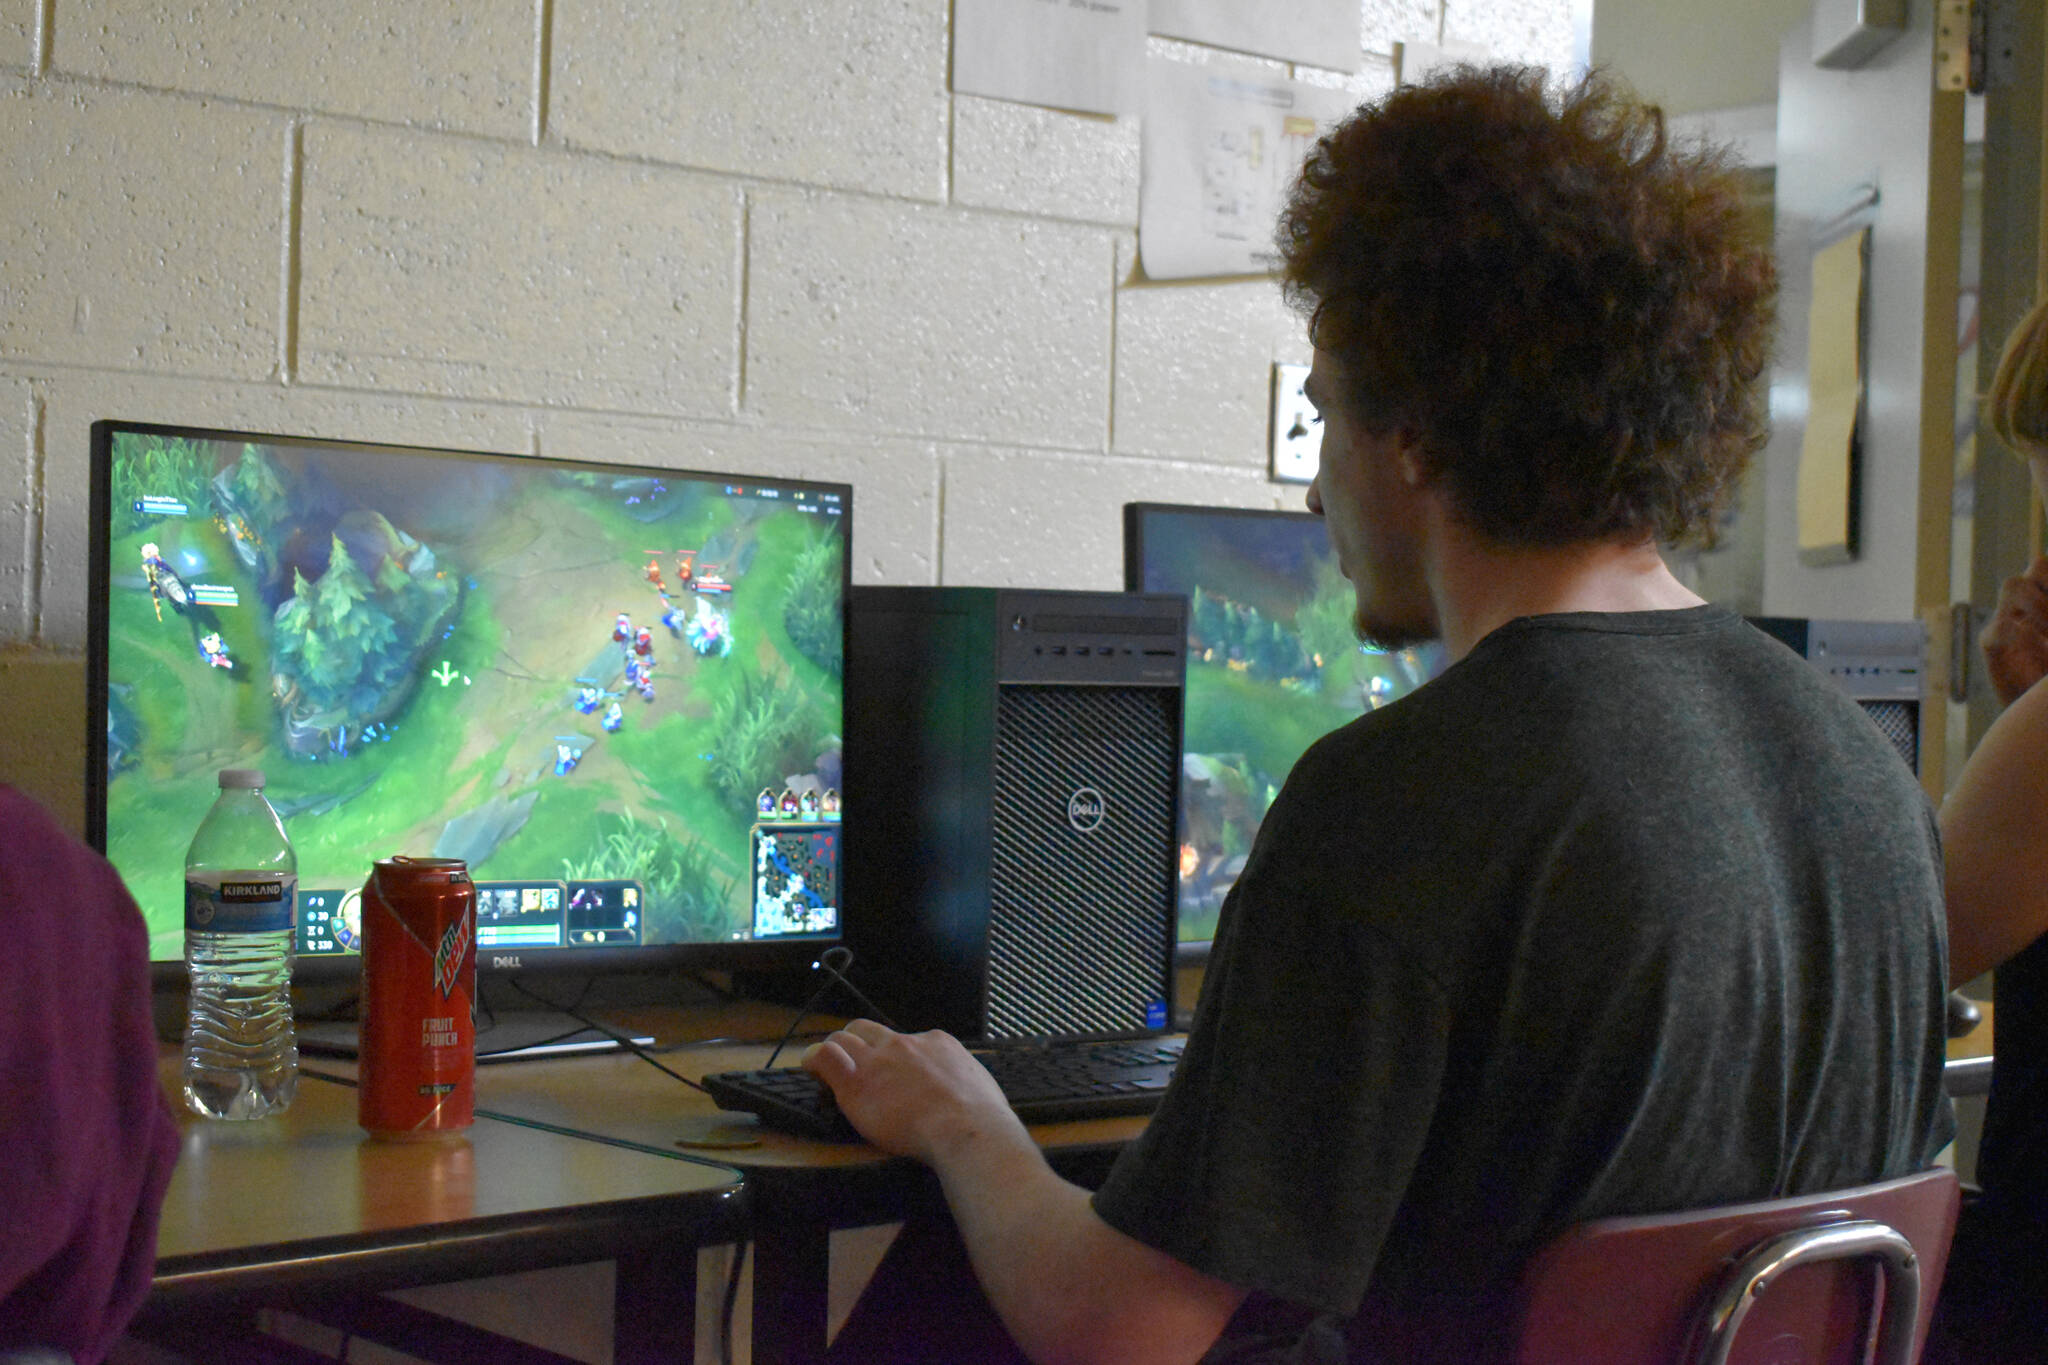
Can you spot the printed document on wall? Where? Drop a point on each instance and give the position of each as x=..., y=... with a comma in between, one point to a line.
x=1326, y=33
x=1220, y=152
x=1087, y=55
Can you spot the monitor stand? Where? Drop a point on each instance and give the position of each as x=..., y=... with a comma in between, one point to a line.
x=512, y=1035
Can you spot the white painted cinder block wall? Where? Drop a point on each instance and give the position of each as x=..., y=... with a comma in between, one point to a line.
x=756, y=235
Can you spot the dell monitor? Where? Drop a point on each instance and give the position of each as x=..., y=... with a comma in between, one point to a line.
x=614, y=691
x=1273, y=665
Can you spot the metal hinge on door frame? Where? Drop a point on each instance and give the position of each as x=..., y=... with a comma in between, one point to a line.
x=1974, y=44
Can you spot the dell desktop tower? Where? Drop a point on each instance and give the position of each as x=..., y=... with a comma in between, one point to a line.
x=1012, y=783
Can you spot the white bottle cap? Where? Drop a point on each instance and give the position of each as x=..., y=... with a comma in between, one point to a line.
x=242, y=777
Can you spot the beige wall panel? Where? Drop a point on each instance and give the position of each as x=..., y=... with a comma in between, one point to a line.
x=19, y=512
x=42, y=746
x=444, y=266
x=892, y=317
x=73, y=401
x=895, y=483
x=1028, y=519
x=1044, y=161
x=1194, y=366
x=139, y=232
x=1538, y=32
x=456, y=64
x=850, y=94
x=18, y=20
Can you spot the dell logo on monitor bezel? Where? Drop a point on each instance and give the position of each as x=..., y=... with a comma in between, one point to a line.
x=1085, y=809
x=505, y=962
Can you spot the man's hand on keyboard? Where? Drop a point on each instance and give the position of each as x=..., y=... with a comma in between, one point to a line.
x=914, y=1094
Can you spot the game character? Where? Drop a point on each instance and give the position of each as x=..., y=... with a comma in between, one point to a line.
x=646, y=683
x=153, y=567
x=614, y=717
x=765, y=803
x=643, y=643
x=788, y=804
x=622, y=630
x=215, y=652
x=809, y=804
x=654, y=575
x=587, y=699
x=686, y=568
x=633, y=671
x=710, y=630
x=830, y=802
x=567, y=756
x=672, y=618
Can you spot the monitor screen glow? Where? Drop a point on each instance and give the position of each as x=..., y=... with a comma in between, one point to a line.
x=614, y=691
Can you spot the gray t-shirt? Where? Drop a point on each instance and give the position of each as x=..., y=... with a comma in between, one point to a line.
x=1623, y=913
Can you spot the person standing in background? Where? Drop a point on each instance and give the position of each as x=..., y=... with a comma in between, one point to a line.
x=1994, y=828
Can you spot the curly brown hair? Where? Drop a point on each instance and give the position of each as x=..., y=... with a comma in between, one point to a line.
x=1566, y=311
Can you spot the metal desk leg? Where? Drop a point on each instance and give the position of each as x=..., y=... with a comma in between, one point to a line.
x=792, y=1275
x=654, y=1307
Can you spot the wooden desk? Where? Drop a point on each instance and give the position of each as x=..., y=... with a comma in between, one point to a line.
x=799, y=1190
x=304, y=1208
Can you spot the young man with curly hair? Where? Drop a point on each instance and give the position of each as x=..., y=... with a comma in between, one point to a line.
x=1629, y=910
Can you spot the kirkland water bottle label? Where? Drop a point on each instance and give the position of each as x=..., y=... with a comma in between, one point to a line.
x=229, y=904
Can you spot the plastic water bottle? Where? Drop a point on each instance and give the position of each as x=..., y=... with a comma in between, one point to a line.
x=241, y=887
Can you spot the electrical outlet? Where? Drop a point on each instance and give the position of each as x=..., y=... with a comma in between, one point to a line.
x=1297, y=435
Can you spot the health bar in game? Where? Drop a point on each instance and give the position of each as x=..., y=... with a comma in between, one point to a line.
x=156, y=506
x=215, y=595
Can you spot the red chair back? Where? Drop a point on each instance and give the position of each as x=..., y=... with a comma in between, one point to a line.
x=1638, y=1290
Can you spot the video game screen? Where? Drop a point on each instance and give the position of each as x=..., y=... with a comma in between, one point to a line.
x=614, y=691
x=1273, y=665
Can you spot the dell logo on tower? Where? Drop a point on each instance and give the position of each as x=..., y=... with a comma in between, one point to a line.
x=1084, y=809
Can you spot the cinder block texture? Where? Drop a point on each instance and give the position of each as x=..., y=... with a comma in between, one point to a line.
x=1388, y=22
x=74, y=400
x=850, y=94
x=18, y=19
x=1044, y=161
x=19, y=511
x=1194, y=367
x=892, y=317
x=444, y=266
x=139, y=232
x=1026, y=519
x=895, y=483
x=441, y=64
x=1538, y=32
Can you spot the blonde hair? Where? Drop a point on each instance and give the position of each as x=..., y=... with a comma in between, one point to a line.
x=2016, y=408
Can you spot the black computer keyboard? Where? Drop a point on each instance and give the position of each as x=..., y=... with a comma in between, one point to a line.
x=1043, y=1084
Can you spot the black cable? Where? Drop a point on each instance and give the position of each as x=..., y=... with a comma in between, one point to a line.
x=615, y=1035
x=833, y=962
x=732, y=1298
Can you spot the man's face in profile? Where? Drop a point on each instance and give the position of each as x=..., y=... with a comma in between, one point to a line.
x=1371, y=500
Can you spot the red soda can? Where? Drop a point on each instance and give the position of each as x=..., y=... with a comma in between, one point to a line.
x=416, y=1078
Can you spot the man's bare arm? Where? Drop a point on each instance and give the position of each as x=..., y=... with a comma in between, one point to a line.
x=1069, y=1287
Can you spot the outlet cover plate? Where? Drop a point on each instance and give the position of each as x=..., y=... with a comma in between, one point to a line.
x=1297, y=433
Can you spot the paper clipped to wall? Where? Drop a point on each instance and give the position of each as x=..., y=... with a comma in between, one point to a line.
x=1220, y=153
x=1834, y=383
x=1325, y=33
x=1086, y=55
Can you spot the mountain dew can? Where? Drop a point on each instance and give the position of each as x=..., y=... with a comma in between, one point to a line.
x=417, y=1065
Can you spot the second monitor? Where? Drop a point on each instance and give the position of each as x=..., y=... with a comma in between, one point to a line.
x=1273, y=665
